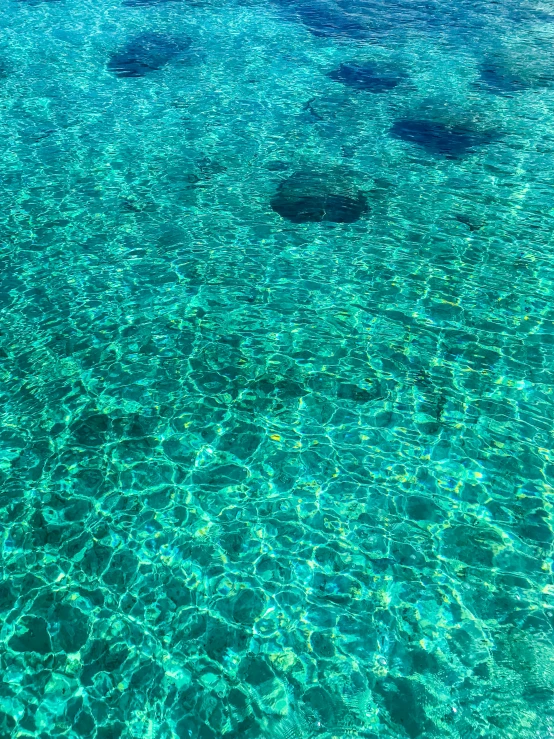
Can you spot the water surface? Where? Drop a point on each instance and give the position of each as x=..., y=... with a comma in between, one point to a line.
x=276, y=367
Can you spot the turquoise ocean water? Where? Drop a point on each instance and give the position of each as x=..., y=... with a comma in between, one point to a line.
x=276, y=369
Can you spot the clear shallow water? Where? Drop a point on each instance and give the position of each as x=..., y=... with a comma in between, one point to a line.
x=276, y=370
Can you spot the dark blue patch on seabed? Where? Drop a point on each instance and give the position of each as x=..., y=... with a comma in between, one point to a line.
x=146, y=53
x=328, y=19
x=144, y=3
x=505, y=79
x=310, y=197
x=437, y=138
x=366, y=76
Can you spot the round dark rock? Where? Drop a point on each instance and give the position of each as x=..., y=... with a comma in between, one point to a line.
x=277, y=166
x=146, y=53
x=35, y=639
x=248, y=605
x=312, y=197
x=450, y=141
x=500, y=80
x=327, y=19
x=72, y=628
x=506, y=76
x=366, y=76
x=142, y=3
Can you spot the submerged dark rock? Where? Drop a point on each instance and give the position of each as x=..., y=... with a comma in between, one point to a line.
x=34, y=639
x=312, y=197
x=437, y=138
x=146, y=53
x=505, y=78
x=370, y=19
x=326, y=18
x=277, y=165
x=366, y=76
x=144, y=3
x=499, y=80
x=472, y=223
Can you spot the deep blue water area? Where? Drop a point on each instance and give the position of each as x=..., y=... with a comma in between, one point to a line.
x=276, y=369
